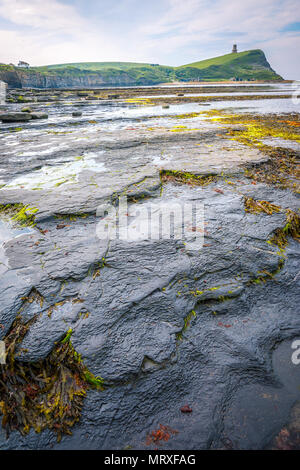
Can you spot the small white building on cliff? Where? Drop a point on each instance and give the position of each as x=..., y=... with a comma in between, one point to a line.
x=25, y=65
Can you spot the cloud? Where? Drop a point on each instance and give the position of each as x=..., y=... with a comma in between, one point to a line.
x=258, y=19
x=283, y=54
x=49, y=15
x=205, y=23
x=167, y=31
x=49, y=31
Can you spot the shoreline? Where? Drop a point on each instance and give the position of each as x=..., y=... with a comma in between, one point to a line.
x=233, y=82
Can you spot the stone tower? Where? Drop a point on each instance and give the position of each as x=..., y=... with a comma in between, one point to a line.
x=234, y=49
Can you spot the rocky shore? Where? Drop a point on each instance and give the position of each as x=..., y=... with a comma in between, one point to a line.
x=109, y=342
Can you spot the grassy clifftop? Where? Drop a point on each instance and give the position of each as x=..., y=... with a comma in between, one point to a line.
x=242, y=58
x=248, y=65
x=96, y=66
x=245, y=65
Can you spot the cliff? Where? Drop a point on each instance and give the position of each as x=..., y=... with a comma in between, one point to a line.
x=248, y=65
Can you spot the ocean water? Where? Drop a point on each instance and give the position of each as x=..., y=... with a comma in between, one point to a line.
x=51, y=145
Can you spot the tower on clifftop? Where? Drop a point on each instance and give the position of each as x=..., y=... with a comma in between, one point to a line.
x=234, y=49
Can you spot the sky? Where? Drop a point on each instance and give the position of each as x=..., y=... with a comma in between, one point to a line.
x=168, y=32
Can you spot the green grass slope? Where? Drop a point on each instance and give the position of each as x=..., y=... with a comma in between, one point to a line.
x=126, y=72
x=242, y=57
x=96, y=66
x=244, y=65
x=247, y=65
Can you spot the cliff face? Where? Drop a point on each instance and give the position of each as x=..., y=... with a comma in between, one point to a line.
x=27, y=78
x=248, y=65
x=11, y=78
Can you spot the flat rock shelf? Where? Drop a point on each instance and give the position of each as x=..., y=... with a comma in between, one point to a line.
x=109, y=341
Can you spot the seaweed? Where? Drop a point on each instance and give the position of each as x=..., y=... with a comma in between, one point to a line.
x=264, y=275
x=97, y=267
x=71, y=217
x=139, y=101
x=187, y=324
x=23, y=216
x=34, y=296
x=282, y=167
x=256, y=207
x=67, y=337
x=44, y=394
x=181, y=177
x=291, y=228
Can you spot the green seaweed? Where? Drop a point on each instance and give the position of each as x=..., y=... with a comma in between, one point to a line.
x=264, y=275
x=96, y=382
x=44, y=394
x=291, y=228
x=71, y=217
x=187, y=324
x=181, y=177
x=67, y=337
x=20, y=214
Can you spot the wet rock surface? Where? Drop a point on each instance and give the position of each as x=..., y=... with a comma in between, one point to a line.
x=129, y=304
x=15, y=117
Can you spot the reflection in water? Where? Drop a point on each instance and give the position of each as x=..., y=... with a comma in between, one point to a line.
x=54, y=176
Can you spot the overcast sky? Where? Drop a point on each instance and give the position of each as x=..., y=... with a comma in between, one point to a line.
x=170, y=32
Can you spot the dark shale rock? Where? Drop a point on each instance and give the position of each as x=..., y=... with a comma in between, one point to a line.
x=129, y=304
x=15, y=117
x=39, y=115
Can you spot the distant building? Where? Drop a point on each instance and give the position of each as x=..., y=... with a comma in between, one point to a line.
x=23, y=64
x=234, y=49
